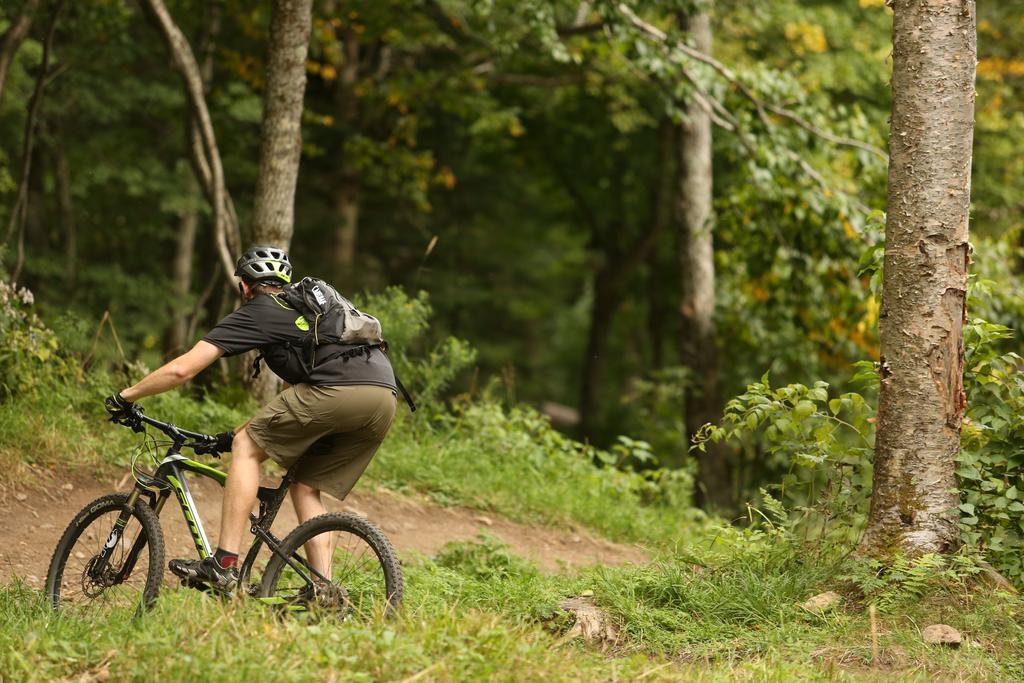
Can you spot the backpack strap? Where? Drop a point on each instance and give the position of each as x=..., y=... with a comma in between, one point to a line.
x=256, y=365
x=383, y=346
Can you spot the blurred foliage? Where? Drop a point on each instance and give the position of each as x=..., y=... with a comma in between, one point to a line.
x=500, y=155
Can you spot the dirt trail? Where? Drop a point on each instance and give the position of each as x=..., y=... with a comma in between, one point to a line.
x=32, y=522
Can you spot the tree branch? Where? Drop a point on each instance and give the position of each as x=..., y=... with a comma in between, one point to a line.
x=227, y=236
x=661, y=37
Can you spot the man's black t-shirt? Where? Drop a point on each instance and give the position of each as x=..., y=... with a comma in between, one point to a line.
x=267, y=323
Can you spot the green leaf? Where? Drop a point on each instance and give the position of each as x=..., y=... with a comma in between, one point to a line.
x=835, y=405
x=818, y=394
x=803, y=409
x=967, y=507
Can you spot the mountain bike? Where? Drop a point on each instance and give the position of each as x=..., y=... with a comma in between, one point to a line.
x=112, y=552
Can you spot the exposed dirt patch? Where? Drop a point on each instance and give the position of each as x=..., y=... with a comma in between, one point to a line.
x=33, y=520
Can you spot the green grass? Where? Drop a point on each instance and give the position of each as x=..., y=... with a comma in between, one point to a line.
x=717, y=604
x=514, y=463
x=477, y=612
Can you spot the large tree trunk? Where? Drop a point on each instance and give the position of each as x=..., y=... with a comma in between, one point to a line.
x=12, y=39
x=921, y=404
x=281, y=132
x=698, y=336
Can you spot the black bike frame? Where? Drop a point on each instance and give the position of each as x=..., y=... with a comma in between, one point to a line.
x=170, y=476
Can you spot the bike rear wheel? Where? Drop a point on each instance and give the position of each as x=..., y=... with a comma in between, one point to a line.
x=338, y=563
x=82, y=576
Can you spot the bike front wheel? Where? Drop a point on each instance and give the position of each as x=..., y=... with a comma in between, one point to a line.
x=110, y=557
x=338, y=563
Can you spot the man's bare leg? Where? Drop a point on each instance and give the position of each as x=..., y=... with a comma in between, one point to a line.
x=240, y=491
x=308, y=505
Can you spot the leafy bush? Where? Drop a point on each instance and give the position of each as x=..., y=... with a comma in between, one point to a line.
x=30, y=356
x=405, y=319
x=991, y=461
x=824, y=444
x=903, y=581
x=827, y=445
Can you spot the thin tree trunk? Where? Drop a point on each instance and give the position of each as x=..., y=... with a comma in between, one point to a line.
x=698, y=335
x=181, y=271
x=348, y=228
x=601, y=318
x=347, y=232
x=281, y=143
x=65, y=203
x=19, y=211
x=12, y=39
x=921, y=403
x=206, y=155
x=609, y=286
x=658, y=307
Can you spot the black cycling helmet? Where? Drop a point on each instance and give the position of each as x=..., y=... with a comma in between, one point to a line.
x=263, y=264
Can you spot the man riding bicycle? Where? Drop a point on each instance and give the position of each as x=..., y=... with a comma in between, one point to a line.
x=336, y=419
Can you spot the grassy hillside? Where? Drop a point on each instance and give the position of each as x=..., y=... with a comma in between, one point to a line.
x=718, y=602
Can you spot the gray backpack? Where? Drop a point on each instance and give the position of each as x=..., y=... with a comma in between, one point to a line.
x=332, y=319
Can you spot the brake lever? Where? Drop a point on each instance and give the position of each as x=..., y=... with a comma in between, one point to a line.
x=208, y=448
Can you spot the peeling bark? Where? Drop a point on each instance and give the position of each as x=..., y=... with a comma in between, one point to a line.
x=921, y=403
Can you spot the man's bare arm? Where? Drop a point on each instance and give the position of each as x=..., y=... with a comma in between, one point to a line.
x=175, y=373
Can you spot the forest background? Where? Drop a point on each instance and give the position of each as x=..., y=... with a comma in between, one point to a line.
x=523, y=193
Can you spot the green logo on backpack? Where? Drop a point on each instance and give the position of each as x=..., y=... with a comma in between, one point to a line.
x=302, y=323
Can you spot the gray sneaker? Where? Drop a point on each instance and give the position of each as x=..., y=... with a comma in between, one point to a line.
x=206, y=571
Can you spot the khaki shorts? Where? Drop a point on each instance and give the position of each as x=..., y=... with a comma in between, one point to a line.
x=331, y=432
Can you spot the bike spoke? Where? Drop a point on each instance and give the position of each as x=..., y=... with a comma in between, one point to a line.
x=88, y=582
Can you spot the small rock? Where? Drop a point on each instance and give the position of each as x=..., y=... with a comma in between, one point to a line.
x=68, y=486
x=20, y=497
x=822, y=602
x=486, y=521
x=941, y=634
x=587, y=594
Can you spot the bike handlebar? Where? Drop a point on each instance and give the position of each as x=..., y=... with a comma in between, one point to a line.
x=197, y=441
